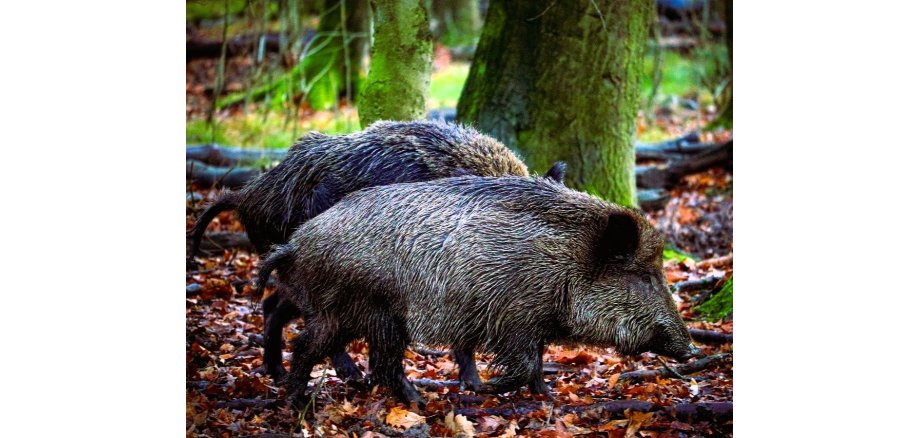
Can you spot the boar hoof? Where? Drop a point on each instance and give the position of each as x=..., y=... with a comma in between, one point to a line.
x=277, y=373
x=408, y=394
x=498, y=386
x=470, y=381
x=345, y=368
x=539, y=387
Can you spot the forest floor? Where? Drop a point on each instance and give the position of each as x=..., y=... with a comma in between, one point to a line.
x=596, y=391
x=227, y=394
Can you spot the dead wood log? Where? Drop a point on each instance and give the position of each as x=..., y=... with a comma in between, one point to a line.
x=690, y=412
x=210, y=176
x=653, y=199
x=668, y=175
x=215, y=243
x=198, y=48
x=710, y=337
x=226, y=156
x=685, y=144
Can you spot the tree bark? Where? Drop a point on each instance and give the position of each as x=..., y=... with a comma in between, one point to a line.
x=560, y=81
x=397, y=85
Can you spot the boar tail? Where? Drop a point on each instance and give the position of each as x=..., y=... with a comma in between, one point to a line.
x=226, y=201
x=281, y=255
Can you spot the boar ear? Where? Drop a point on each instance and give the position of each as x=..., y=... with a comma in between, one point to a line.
x=620, y=237
x=557, y=172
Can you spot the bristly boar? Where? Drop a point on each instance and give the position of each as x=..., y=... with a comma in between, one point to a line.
x=500, y=264
x=319, y=170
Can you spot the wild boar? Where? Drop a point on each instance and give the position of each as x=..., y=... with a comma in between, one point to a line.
x=499, y=264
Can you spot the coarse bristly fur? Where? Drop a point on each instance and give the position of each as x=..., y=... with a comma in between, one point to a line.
x=319, y=170
x=500, y=264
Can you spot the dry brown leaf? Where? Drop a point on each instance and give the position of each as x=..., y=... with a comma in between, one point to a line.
x=613, y=380
x=636, y=421
x=490, y=423
x=459, y=425
x=511, y=430
x=403, y=419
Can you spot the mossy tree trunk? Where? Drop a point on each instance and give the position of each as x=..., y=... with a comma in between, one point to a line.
x=560, y=81
x=455, y=22
x=397, y=84
x=342, y=34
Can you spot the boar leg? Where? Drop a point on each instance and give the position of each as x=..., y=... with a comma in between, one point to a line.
x=536, y=384
x=279, y=314
x=320, y=339
x=523, y=365
x=388, y=341
x=275, y=321
x=469, y=375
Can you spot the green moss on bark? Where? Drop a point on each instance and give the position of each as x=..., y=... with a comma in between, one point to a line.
x=561, y=82
x=719, y=305
x=401, y=56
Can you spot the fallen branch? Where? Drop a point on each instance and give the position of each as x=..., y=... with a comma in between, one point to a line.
x=669, y=175
x=204, y=175
x=217, y=155
x=244, y=403
x=695, y=285
x=215, y=243
x=682, y=369
x=710, y=337
x=716, y=411
x=717, y=262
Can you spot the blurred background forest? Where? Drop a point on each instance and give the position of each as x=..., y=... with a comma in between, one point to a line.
x=635, y=96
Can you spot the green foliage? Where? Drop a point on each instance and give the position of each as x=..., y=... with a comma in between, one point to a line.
x=211, y=9
x=719, y=305
x=268, y=130
x=673, y=253
x=702, y=73
x=447, y=84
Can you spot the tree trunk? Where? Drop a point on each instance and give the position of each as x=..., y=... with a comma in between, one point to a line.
x=333, y=47
x=560, y=81
x=455, y=22
x=397, y=85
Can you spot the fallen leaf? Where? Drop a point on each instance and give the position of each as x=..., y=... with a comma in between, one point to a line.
x=636, y=421
x=490, y=423
x=511, y=430
x=459, y=425
x=613, y=380
x=403, y=419
x=694, y=388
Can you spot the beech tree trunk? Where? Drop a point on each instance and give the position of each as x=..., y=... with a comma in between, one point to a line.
x=397, y=85
x=560, y=81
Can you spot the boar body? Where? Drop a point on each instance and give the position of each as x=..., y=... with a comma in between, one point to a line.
x=504, y=265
